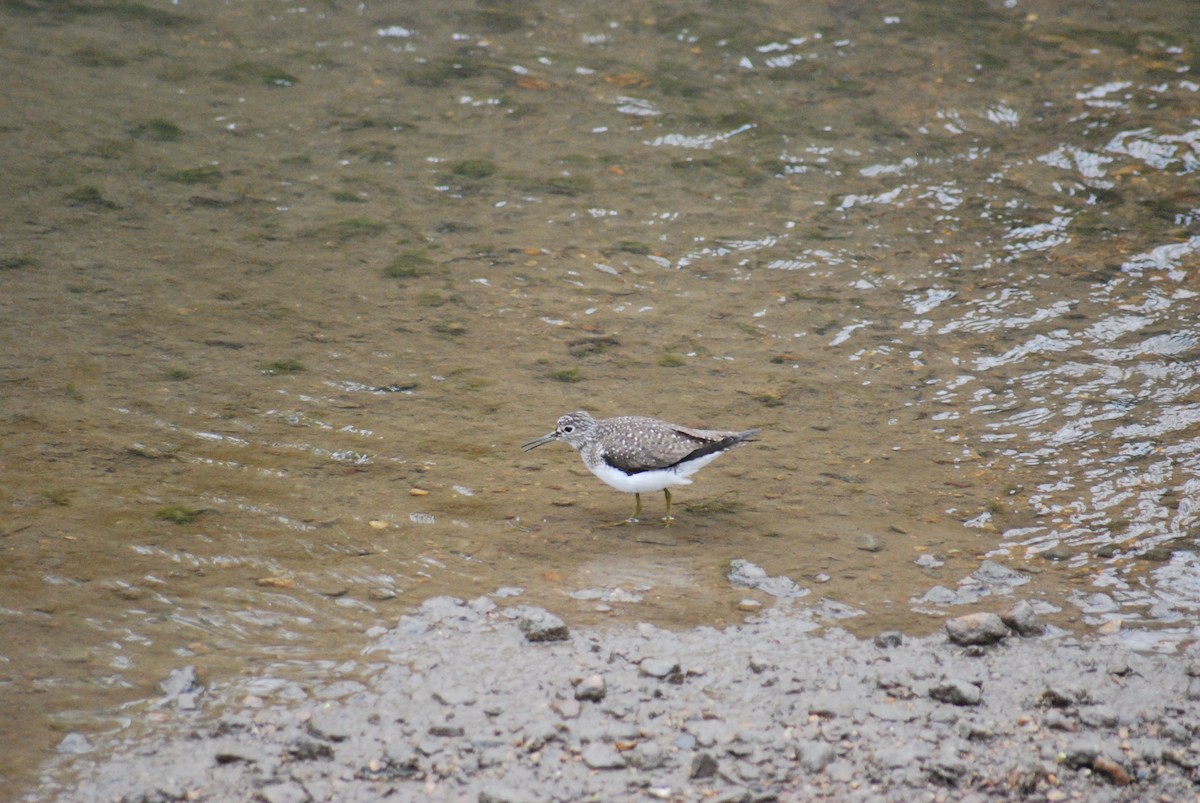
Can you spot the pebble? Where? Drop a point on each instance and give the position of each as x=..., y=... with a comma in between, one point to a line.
x=662, y=668
x=592, y=687
x=600, y=756
x=889, y=638
x=1023, y=620
x=704, y=765
x=744, y=574
x=647, y=756
x=184, y=680
x=540, y=626
x=956, y=692
x=976, y=628
x=74, y=743
x=816, y=756
x=868, y=542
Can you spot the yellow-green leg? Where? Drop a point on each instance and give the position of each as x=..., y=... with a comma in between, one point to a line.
x=667, y=493
x=637, y=511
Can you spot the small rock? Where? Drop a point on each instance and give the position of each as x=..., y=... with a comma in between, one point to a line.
x=1098, y=716
x=868, y=542
x=744, y=574
x=592, y=687
x=816, y=756
x=184, y=680
x=446, y=731
x=685, y=741
x=303, y=748
x=1062, y=696
x=889, y=638
x=1174, y=730
x=1080, y=755
x=947, y=767
x=757, y=665
x=1193, y=689
x=749, y=605
x=647, y=756
x=976, y=628
x=661, y=668
x=1115, y=772
x=601, y=756
x=74, y=743
x=539, y=626
x=956, y=692
x=997, y=574
x=381, y=594
x=704, y=765
x=1023, y=620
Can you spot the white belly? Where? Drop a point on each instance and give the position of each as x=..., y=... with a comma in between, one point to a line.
x=646, y=481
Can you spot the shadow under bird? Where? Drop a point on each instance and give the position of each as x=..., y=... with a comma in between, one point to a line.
x=635, y=454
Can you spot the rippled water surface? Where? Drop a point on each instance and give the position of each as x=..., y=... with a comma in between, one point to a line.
x=284, y=286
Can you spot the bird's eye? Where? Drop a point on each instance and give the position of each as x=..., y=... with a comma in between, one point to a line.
x=569, y=428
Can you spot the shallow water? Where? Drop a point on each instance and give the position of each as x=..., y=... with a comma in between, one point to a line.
x=286, y=286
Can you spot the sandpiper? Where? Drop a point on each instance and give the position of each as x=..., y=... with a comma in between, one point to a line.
x=635, y=454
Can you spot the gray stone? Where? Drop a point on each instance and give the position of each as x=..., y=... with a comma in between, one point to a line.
x=1063, y=696
x=647, y=756
x=889, y=638
x=956, y=692
x=74, y=743
x=540, y=626
x=744, y=574
x=704, y=765
x=1080, y=754
x=868, y=542
x=815, y=756
x=184, y=680
x=997, y=574
x=592, y=687
x=1098, y=716
x=662, y=668
x=601, y=756
x=976, y=628
x=947, y=767
x=334, y=723
x=1023, y=620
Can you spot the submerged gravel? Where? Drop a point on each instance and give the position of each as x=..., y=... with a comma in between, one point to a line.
x=468, y=707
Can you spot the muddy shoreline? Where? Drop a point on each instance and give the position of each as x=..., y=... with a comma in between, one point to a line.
x=493, y=701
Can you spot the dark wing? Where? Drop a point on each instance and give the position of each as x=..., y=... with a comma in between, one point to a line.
x=665, y=446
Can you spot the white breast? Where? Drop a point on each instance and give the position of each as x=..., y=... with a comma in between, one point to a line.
x=656, y=480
